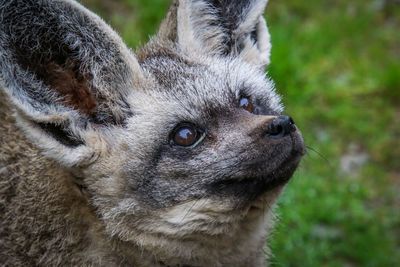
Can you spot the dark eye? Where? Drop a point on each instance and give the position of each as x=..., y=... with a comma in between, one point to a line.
x=245, y=103
x=185, y=135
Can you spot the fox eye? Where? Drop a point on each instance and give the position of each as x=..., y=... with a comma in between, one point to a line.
x=186, y=135
x=245, y=103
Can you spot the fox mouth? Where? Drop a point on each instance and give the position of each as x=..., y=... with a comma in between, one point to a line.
x=251, y=187
x=261, y=178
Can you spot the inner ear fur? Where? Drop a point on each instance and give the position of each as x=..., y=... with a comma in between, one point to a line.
x=220, y=27
x=60, y=72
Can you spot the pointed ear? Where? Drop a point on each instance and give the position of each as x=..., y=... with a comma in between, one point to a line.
x=220, y=27
x=65, y=71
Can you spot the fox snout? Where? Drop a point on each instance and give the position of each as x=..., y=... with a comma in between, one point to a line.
x=281, y=127
x=281, y=144
x=273, y=152
x=275, y=130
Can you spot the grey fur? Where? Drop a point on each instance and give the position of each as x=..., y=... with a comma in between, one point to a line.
x=97, y=182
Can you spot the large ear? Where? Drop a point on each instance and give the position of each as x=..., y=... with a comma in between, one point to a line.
x=66, y=73
x=220, y=27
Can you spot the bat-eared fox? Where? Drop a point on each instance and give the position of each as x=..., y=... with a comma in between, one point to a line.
x=171, y=155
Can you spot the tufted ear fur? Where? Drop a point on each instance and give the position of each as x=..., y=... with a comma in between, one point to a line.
x=220, y=27
x=66, y=73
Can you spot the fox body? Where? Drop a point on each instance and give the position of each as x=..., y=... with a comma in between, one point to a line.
x=170, y=156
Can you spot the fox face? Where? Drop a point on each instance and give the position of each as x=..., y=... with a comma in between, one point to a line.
x=182, y=142
x=216, y=133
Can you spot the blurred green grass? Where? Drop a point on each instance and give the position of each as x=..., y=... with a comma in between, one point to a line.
x=337, y=65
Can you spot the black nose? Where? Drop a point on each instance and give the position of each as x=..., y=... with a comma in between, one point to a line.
x=280, y=127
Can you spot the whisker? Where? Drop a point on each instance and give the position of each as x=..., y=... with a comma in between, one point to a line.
x=320, y=155
x=189, y=210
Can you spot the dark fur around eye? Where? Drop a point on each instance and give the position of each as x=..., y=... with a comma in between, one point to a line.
x=255, y=106
x=263, y=109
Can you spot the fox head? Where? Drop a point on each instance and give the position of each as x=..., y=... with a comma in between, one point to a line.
x=183, y=139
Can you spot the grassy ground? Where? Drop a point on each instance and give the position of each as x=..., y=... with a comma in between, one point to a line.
x=337, y=64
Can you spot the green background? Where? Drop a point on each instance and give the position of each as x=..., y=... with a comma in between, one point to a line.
x=337, y=65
